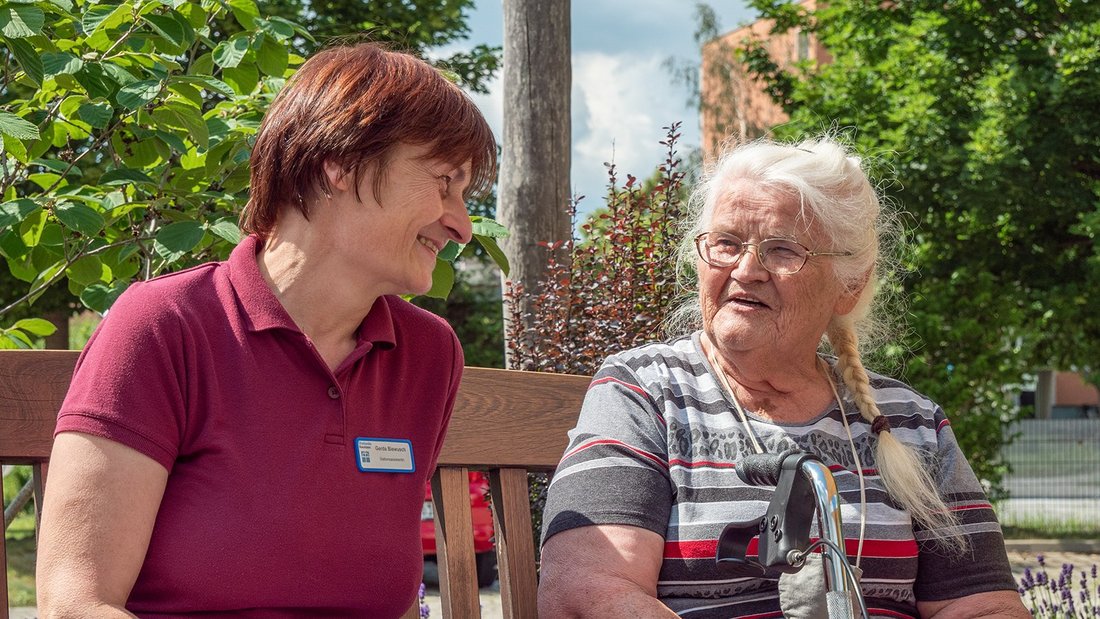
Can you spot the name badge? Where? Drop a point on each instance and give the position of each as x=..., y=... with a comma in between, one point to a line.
x=385, y=455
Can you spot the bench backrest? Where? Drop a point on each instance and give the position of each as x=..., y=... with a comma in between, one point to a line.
x=505, y=423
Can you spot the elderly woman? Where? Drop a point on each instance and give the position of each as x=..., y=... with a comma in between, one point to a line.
x=788, y=257
x=251, y=438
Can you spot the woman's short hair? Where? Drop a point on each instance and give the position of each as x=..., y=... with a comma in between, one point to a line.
x=352, y=105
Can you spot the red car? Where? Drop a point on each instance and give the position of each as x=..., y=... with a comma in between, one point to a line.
x=484, y=553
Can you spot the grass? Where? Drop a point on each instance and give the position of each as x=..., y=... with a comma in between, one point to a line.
x=20, y=542
x=1039, y=528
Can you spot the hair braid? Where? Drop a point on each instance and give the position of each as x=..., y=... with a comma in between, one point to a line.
x=902, y=470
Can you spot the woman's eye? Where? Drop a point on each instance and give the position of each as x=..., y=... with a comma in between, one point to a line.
x=445, y=180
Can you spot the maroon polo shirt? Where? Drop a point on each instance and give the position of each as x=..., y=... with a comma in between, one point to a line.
x=266, y=512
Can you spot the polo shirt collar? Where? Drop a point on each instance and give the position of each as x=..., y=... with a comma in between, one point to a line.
x=262, y=310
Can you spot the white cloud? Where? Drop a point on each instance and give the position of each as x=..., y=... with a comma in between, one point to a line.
x=620, y=102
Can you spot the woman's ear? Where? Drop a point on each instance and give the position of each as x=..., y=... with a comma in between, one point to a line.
x=339, y=177
x=851, y=296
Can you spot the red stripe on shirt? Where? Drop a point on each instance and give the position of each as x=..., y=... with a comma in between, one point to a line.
x=966, y=506
x=942, y=424
x=608, y=441
x=878, y=548
x=691, y=464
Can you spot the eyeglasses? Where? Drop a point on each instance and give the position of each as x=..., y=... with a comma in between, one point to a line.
x=778, y=256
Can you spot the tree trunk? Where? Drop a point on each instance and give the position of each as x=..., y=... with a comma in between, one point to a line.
x=534, y=177
x=60, y=338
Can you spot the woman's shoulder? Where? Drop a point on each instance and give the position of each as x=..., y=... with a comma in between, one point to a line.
x=660, y=363
x=173, y=294
x=898, y=398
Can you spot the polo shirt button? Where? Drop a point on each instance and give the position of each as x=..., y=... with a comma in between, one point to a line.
x=333, y=392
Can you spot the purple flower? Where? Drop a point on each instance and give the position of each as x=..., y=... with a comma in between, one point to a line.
x=1042, y=560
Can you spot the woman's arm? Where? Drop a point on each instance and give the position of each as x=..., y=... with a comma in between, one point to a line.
x=604, y=571
x=993, y=604
x=97, y=518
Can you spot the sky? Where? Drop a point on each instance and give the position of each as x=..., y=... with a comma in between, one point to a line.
x=622, y=93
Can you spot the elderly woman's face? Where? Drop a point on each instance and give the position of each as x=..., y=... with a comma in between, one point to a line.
x=746, y=307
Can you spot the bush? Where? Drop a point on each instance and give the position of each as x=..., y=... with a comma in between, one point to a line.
x=614, y=290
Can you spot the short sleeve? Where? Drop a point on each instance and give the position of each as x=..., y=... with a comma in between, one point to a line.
x=128, y=382
x=615, y=470
x=945, y=574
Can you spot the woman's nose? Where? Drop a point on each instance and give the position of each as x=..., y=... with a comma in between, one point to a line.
x=748, y=268
x=456, y=219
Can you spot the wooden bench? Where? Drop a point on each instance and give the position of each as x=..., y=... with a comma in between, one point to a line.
x=505, y=423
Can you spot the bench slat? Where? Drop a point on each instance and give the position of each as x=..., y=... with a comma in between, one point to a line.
x=32, y=385
x=514, y=542
x=509, y=418
x=454, y=543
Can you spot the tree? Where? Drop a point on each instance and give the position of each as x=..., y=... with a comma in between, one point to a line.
x=126, y=133
x=534, y=171
x=419, y=27
x=984, y=115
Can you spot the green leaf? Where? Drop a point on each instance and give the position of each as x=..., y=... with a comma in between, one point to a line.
x=28, y=59
x=30, y=230
x=228, y=54
x=19, y=22
x=16, y=127
x=79, y=217
x=175, y=240
x=278, y=28
x=36, y=326
x=245, y=11
x=103, y=15
x=443, y=279
x=19, y=339
x=207, y=82
x=226, y=229
x=96, y=114
x=124, y=176
x=174, y=28
x=490, y=245
x=16, y=211
x=100, y=297
x=88, y=270
x=450, y=251
x=243, y=79
x=15, y=148
x=136, y=95
x=60, y=63
x=272, y=58
x=485, y=226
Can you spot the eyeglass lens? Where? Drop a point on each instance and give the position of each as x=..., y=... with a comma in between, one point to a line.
x=780, y=256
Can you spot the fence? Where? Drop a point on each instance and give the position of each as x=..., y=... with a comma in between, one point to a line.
x=1055, y=478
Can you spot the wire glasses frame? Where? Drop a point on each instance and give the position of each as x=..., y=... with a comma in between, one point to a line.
x=777, y=256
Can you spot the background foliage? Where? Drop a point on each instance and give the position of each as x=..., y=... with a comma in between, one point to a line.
x=615, y=288
x=127, y=127
x=984, y=114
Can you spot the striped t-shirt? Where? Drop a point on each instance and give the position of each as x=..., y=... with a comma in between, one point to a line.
x=656, y=446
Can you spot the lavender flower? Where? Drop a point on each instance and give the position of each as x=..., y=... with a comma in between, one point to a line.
x=1061, y=597
x=425, y=610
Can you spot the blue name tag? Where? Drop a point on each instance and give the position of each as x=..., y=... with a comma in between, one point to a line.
x=384, y=455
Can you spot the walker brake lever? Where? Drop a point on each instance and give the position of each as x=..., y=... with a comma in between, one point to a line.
x=784, y=529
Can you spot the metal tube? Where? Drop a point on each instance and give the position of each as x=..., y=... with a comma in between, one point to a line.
x=828, y=507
